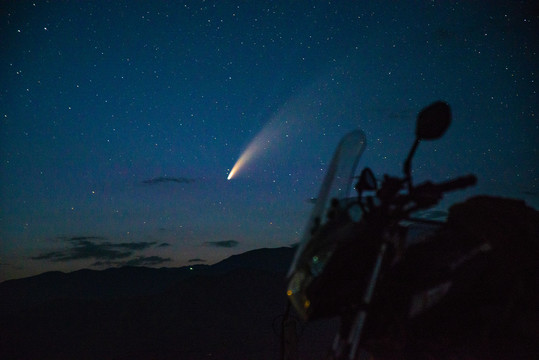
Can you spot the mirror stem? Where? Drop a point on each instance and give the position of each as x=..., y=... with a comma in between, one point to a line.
x=408, y=162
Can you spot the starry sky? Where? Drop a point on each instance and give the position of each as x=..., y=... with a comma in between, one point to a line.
x=121, y=121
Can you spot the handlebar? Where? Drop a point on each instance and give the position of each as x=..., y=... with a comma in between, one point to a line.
x=421, y=196
x=428, y=194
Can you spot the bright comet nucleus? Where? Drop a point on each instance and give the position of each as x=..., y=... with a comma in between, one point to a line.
x=247, y=155
x=266, y=137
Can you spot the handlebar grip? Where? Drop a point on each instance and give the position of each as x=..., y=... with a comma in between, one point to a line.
x=458, y=183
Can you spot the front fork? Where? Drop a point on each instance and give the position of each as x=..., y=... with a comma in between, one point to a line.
x=348, y=338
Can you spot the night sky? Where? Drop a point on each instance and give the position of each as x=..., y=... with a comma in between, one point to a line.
x=121, y=121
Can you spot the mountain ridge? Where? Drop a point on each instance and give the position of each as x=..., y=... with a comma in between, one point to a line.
x=128, y=281
x=229, y=310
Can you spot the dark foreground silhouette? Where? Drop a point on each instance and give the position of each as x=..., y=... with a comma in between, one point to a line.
x=232, y=310
x=229, y=310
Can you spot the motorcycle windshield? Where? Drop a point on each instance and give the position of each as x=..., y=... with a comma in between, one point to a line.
x=336, y=185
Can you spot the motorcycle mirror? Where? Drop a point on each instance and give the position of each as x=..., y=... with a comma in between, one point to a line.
x=367, y=181
x=433, y=121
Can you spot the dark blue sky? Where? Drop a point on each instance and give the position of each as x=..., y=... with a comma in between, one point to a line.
x=122, y=120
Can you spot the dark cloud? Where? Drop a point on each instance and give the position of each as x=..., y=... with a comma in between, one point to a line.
x=138, y=261
x=196, y=260
x=135, y=246
x=85, y=249
x=146, y=261
x=78, y=238
x=165, y=179
x=93, y=247
x=105, y=263
x=163, y=245
x=224, y=243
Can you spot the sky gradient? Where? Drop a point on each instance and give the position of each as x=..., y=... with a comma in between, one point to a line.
x=121, y=121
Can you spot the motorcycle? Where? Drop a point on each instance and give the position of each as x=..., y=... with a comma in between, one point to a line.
x=456, y=291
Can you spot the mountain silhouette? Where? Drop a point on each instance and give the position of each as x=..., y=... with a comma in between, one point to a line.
x=230, y=310
x=234, y=309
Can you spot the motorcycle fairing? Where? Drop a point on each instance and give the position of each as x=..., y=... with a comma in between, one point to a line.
x=318, y=242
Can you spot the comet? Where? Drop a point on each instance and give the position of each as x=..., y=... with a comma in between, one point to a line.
x=266, y=138
x=284, y=123
x=247, y=155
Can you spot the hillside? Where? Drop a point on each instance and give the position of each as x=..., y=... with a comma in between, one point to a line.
x=230, y=310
